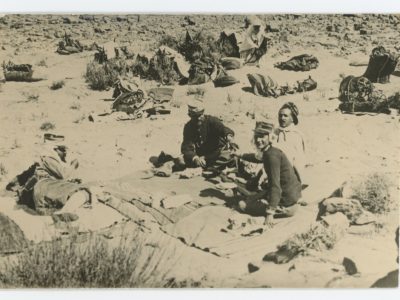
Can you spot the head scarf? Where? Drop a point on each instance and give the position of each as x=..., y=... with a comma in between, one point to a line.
x=293, y=109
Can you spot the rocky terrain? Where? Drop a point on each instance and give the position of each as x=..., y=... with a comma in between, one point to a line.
x=113, y=154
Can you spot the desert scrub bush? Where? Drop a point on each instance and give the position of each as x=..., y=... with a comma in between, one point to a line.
x=56, y=85
x=75, y=106
x=318, y=238
x=67, y=263
x=373, y=192
x=42, y=63
x=47, y=126
x=103, y=76
x=31, y=97
x=169, y=41
x=3, y=170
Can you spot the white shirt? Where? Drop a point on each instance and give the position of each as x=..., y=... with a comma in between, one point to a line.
x=291, y=142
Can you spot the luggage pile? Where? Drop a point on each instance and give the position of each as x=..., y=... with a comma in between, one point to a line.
x=14, y=72
x=137, y=104
x=69, y=46
x=357, y=94
x=265, y=86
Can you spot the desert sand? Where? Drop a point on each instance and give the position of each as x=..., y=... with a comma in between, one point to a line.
x=337, y=145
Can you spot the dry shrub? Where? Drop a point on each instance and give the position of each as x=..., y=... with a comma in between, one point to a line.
x=3, y=170
x=42, y=63
x=75, y=106
x=56, y=85
x=31, y=97
x=318, y=237
x=169, y=41
x=103, y=76
x=47, y=126
x=67, y=263
x=373, y=192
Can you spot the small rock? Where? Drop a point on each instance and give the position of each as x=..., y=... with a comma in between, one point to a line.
x=338, y=220
x=252, y=268
x=365, y=218
x=349, y=266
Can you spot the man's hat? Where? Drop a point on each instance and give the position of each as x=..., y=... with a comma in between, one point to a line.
x=62, y=148
x=196, y=105
x=264, y=128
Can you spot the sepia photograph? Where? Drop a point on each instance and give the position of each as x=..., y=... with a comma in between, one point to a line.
x=199, y=150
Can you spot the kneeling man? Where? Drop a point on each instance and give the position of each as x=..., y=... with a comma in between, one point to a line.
x=280, y=196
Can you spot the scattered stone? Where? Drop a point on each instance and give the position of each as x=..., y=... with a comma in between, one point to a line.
x=349, y=266
x=252, y=268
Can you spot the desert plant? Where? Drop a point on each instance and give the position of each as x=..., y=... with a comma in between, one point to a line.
x=56, y=85
x=169, y=41
x=47, y=126
x=69, y=262
x=3, y=170
x=31, y=97
x=75, y=106
x=103, y=76
x=42, y=63
x=318, y=237
x=373, y=193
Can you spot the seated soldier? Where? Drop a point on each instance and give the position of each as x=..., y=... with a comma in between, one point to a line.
x=253, y=42
x=207, y=142
x=280, y=196
x=48, y=187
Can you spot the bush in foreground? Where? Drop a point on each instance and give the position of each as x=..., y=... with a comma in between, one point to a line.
x=68, y=263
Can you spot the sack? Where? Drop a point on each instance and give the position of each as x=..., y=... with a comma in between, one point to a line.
x=381, y=64
x=223, y=79
x=264, y=86
x=200, y=72
x=231, y=63
x=306, y=85
x=302, y=62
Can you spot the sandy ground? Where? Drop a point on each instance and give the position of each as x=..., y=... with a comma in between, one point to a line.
x=338, y=145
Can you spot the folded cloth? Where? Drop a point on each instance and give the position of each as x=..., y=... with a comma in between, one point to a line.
x=165, y=170
x=176, y=201
x=190, y=173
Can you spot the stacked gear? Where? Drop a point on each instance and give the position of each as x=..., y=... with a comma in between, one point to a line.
x=381, y=64
x=13, y=72
x=357, y=94
x=69, y=46
x=135, y=103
